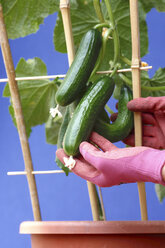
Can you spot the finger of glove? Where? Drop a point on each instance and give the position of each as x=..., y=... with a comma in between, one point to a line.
x=149, y=131
x=91, y=154
x=82, y=168
x=146, y=141
x=101, y=142
x=161, y=121
x=148, y=104
x=151, y=142
x=130, y=140
x=149, y=119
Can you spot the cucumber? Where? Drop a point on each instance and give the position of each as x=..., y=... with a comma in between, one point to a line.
x=123, y=125
x=81, y=68
x=86, y=113
x=61, y=134
x=104, y=116
x=63, y=127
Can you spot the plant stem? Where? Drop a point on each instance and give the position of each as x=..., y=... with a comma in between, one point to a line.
x=153, y=88
x=97, y=64
x=105, y=39
x=102, y=52
x=115, y=33
x=110, y=111
x=126, y=60
x=125, y=79
x=114, y=70
x=98, y=10
x=102, y=25
x=147, y=88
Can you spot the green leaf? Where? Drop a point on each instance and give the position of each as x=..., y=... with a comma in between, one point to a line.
x=83, y=18
x=36, y=96
x=23, y=17
x=52, y=129
x=158, y=80
x=122, y=18
x=31, y=67
x=149, y=4
x=121, y=12
x=7, y=5
x=159, y=77
x=160, y=191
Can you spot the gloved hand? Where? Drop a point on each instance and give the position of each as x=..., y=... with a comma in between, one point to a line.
x=153, y=121
x=112, y=166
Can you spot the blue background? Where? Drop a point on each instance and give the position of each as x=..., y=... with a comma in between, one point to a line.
x=61, y=197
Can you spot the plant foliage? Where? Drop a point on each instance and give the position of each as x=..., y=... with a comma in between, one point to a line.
x=24, y=17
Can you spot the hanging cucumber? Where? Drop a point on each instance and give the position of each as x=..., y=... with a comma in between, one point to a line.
x=123, y=125
x=81, y=68
x=86, y=113
x=63, y=127
x=61, y=134
x=104, y=116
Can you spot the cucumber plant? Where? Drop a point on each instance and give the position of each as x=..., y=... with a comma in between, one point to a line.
x=113, y=52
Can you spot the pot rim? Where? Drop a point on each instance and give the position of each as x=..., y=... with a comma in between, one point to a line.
x=92, y=227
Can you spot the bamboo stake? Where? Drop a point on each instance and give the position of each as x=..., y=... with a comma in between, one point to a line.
x=19, y=116
x=143, y=68
x=93, y=200
x=65, y=11
x=20, y=173
x=4, y=80
x=137, y=93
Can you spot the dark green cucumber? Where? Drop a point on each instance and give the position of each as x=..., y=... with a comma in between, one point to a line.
x=123, y=125
x=104, y=116
x=63, y=127
x=81, y=68
x=86, y=113
x=61, y=134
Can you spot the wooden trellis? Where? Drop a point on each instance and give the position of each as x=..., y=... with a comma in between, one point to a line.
x=11, y=78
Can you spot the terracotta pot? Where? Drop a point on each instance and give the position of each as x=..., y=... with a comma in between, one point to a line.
x=95, y=234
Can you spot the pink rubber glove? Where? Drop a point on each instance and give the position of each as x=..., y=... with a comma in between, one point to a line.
x=113, y=165
x=153, y=121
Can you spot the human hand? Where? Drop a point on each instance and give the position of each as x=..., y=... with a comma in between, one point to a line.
x=112, y=166
x=153, y=121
